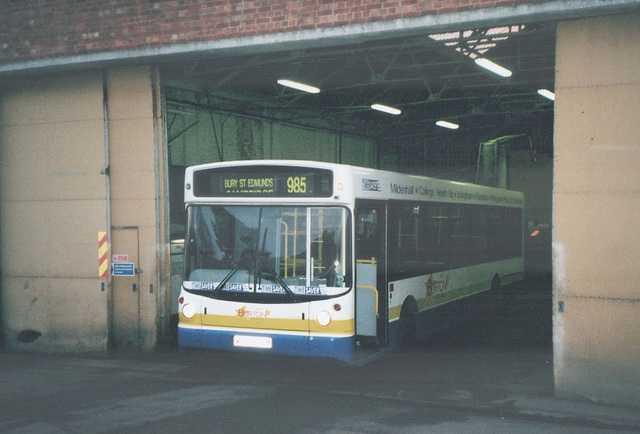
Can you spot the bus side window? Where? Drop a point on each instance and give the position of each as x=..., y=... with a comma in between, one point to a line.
x=435, y=237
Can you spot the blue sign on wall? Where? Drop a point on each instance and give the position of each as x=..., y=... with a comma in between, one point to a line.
x=123, y=269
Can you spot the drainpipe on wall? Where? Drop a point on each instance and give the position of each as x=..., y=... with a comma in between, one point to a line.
x=106, y=284
x=163, y=236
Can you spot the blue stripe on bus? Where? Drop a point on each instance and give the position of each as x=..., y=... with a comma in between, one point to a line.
x=188, y=338
x=336, y=348
x=341, y=348
x=394, y=335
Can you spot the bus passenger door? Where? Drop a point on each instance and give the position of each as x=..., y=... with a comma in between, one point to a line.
x=371, y=288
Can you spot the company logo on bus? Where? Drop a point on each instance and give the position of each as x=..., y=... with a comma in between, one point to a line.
x=371, y=185
x=259, y=313
x=434, y=286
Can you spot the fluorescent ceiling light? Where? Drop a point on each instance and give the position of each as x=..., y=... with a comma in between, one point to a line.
x=386, y=109
x=493, y=67
x=299, y=86
x=449, y=125
x=547, y=94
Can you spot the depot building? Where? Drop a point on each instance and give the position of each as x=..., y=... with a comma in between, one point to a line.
x=102, y=107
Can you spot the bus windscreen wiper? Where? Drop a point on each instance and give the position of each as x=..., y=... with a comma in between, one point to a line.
x=226, y=279
x=284, y=285
x=275, y=277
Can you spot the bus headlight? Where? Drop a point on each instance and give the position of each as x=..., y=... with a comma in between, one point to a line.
x=323, y=318
x=188, y=311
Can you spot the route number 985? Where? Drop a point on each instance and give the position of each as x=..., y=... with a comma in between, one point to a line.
x=297, y=184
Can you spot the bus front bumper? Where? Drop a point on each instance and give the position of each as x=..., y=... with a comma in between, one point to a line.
x=268, y=342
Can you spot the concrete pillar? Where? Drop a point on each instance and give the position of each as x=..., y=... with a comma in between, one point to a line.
x=596, y=241
x=139, y=304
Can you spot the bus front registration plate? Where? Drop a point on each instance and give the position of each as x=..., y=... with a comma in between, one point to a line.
x=252, y=341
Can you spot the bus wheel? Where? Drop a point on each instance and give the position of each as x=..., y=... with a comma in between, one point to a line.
x=495, y=294
x=408, y=323
x=496, y=284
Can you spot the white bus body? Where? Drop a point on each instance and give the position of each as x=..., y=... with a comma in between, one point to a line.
x=328, y=260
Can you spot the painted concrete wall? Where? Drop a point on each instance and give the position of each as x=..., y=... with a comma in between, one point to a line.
x=241, y=138
x=54, y=200
x=596, y=205
x=52, y=205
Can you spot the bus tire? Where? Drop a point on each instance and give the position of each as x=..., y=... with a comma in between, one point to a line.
x=496, y=283
x=495, y=293
x=408, y=323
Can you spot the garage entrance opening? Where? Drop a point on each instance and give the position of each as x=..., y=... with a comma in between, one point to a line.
x=447, y=104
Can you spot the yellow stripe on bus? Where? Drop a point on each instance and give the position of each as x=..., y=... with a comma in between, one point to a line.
x=297, y=325
x=443, y=297
x=510, y=278
x=342, y=327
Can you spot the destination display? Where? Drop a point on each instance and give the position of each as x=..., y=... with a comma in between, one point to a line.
x=270, y=181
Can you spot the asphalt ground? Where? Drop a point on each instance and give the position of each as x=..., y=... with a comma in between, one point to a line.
x=492, y=372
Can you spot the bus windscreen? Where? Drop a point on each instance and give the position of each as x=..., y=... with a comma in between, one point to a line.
x=263, y=181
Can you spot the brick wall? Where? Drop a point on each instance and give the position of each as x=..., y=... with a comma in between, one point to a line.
x=31, y=29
